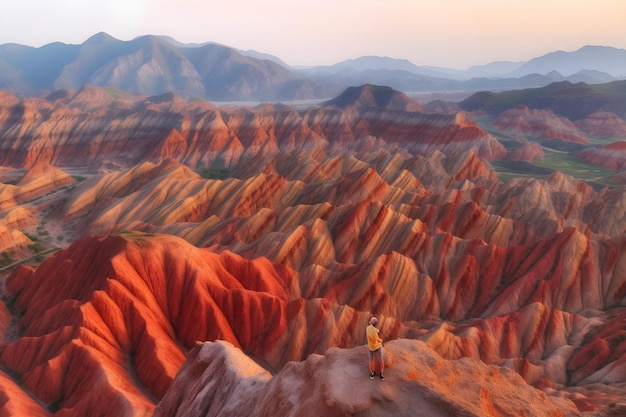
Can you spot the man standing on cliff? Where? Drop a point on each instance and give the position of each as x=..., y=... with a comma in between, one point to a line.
x=375, y=346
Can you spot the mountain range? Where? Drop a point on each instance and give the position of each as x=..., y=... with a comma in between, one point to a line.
x=152, y=65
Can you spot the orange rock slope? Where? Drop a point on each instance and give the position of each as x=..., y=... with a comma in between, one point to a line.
x=434, y=245
x=110, y=339
x=317, y=220
x=20, y=192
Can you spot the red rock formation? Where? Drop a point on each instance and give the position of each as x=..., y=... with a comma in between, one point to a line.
x=5, y=319
x=353, y=259
x=36, y=183
x=542, y=124
x=611, y=156
x=603, y=124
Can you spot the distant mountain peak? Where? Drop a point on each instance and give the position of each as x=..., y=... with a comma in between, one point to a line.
x=605, y=59
x=99, y=38
x=378, y=62
x=374, y=96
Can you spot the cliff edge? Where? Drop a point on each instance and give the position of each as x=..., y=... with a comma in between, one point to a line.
x=219, y=380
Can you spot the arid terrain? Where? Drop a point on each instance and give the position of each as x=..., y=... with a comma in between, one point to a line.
x=170, y=257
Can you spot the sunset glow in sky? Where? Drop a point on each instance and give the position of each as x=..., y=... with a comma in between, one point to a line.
x=451, y=33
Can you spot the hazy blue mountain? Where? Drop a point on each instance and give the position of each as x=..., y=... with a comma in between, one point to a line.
x=178, y=44
x=151, y=65
x=250, y=52
x=611, y=62
x=594, y=63
x=35, y=68
x=491, y=70
x=369, y=63
x=260, y=55
x=595, y=58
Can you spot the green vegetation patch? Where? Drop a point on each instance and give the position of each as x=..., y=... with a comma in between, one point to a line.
x=577, y=168
x=508, y=170
x=211, y=173
x=597, y=177
x=559, y=155
x=6, y=259
x=32, y=237
x=36, y=247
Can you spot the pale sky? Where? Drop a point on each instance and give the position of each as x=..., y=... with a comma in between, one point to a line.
x=450, y=33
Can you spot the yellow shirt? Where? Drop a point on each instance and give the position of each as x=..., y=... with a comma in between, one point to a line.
x=373, y=341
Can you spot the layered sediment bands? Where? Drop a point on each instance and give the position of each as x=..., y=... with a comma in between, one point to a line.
x=132, y=305
x=289, y=247
x=433, y=244
x=603, y=124
x=527, y=151
x=109, y=340
x=611, y=156
x=127, y=131
x=17, y=218
x=542, y=124
x=38, y=181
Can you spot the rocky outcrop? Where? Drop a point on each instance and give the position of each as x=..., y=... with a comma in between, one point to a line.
x=218, y=380
x=611, y=156
x=541, y=124
x=603, y=124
